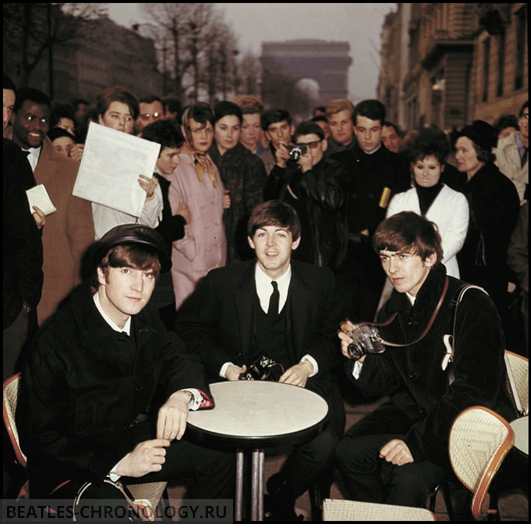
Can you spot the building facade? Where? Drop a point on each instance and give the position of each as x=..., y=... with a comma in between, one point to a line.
x=448, y=64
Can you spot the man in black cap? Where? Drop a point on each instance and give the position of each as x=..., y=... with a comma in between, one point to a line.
x=106, y=389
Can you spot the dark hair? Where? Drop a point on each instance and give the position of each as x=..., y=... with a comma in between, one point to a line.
x=135, y=256
x=9, y=84
x=225, y=108
x=504, y=122
x=62, y=110
x=167, y=133
x=201, y=112
x=274, y=213
x=149, y=99
x=427, y=141
x=34, y=95
x=525, y=105
x=172, y=104
x=372, y=109
x=117, y=94
x=58, y=132
x=398, y=131
x=272, y=116
x=408, y=232
x=319, y=118
x=308, y=128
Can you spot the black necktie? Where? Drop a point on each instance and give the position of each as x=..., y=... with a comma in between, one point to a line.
x=524, y=158
x=272, y=311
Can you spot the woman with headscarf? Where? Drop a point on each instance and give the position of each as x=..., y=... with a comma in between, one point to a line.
x=196, y=185
x=494, y=206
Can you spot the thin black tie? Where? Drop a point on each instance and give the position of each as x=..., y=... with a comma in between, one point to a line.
x=524, y=158
x=272, y=311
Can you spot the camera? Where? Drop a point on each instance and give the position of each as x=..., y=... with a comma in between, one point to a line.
x=262, y=369
x=295, y=152
x=366, y=340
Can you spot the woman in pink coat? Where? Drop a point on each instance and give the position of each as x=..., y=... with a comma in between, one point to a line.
x=196, y=185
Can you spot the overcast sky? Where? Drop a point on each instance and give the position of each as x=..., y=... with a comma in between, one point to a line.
x=358, y=24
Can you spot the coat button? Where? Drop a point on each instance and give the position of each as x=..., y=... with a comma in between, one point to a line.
x=413, y=375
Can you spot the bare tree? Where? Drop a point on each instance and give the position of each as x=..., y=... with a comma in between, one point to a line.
x=34, y=30
x=199, y=48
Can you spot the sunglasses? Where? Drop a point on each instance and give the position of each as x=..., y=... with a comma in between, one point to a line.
x=311, y=145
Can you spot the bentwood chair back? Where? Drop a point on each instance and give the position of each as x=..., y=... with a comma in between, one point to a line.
x=146, y=496
x=350, y=511
x=479, y=441
x=518, y=378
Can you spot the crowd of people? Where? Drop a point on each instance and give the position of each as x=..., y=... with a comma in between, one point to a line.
x=118, y=323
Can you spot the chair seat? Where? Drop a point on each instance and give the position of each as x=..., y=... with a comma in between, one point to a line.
x=350, y=510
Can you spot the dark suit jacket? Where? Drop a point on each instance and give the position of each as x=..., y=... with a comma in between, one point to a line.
x=81, y=390
x=218, y=322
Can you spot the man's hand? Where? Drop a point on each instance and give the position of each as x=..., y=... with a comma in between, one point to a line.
x=343, y=333
x=396, y=452
x=148, y=184
x=39, y=216
x=282, y=155
x=306, y=161
x=233, y=372
x=147, y=457
x=298, y=374
x=173, y=415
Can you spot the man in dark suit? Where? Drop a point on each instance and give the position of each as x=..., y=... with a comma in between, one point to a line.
x=106, y=389
x=374, y=175
x=229, y=321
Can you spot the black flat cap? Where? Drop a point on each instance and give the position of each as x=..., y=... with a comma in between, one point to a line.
x=134, y=234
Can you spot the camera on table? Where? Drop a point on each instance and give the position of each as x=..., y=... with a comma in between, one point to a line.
x=295, y=152
x=262, y=369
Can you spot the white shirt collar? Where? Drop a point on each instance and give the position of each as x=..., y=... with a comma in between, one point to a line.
x=127, y=326
x=264, y=287
x=33, y=156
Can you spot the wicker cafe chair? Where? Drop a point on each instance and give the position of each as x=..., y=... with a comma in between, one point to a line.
x=146, y=496
x=351, y=510
x=479, y=441
x=518, y=378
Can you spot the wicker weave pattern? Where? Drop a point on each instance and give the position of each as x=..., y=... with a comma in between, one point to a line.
x=479, y=441
x=350, y=510
x=518, y=371
x=10, y=398
x=148, y=496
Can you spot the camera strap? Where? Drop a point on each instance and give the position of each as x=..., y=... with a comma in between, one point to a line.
x=424, y=333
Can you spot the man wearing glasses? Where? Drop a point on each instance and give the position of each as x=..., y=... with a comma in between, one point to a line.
x=314, y=186
x=151, y=110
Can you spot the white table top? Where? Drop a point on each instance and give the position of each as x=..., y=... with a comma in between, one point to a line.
x=259, y=410
x=521, y=434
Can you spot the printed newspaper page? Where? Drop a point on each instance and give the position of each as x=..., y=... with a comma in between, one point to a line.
x=111, y=163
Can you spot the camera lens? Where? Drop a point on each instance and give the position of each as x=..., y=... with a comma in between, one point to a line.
x=356, y=351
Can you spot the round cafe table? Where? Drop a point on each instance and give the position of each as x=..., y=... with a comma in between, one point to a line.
x=256, y=415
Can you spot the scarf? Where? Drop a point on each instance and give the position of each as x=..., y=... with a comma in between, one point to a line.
x=202, y=164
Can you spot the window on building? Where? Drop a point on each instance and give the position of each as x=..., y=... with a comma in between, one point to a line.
x=521, y=23
x=501, y=63
x=486, y=59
